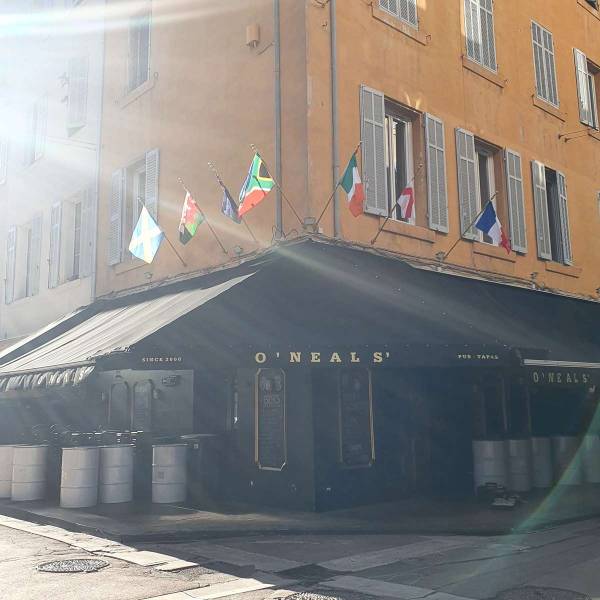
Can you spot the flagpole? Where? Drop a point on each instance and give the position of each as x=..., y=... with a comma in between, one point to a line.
x=446, y=254
x=337, y=185
x=222, y=184
x=277, y=184
x=394, y=208
x=203, y=216
x=165, y=236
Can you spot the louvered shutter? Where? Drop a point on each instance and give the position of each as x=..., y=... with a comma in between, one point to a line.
x=3, y=160
x=437, y=193
x=36, y=256
x=564, y=219
x=472, y=32
x=11, y=259
x=516, y=203
x=583, y=92
x=540, y=198
x=78, y=92
x=152, y=172
x=88, y=220
x=115, y=232
x=408, y=11
x=41, y=120
x=373, y=137
x=55, y=242
x=389, y=5
x=488, y=41
x=467, y=182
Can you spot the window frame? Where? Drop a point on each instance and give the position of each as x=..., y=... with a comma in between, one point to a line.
x=543, y=67
x=137, y=17
x=468, y=6
x=484, y=149
x=385, y=6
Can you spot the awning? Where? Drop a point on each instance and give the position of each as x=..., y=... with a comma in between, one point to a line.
x=70, y=358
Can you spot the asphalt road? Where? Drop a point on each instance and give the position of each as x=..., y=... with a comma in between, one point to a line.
x=558, y=564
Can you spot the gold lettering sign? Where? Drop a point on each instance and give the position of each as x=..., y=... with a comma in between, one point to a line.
x=298, y=357
x=162, y=359
x=560, y=378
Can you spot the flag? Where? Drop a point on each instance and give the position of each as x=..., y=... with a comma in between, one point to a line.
x=353, y=186
x=191, y=217
x=489, y=223
x=229, y=207
x=406, y=203
x=146, y=237
x=257, y=185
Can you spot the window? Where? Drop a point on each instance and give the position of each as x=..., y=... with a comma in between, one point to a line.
x=587, y=79
x=37, y=133
x=545, y=68
x=139, y=50
x=3, y=160
x=78, y=91
x=132, y=188
x=479, y=32
x=593, y=3
x=405, y=10
x=551, y=214
x=11, y=259
x=516, y=203
x=23, y=260
x=487, y=180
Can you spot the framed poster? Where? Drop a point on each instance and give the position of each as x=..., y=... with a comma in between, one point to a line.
x=270, y=449
x=357, y=440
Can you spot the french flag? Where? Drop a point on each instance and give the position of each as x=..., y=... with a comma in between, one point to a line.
x=489, y=223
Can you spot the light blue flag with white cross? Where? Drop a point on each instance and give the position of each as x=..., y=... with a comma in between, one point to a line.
x=146, y=237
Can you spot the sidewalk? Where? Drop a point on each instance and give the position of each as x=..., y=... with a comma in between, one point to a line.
x=133, y=523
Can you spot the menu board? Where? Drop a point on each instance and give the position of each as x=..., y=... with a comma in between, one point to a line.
x=270, y=449
x=142, y=406
x=356, y=419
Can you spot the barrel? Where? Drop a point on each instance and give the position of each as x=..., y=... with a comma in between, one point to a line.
x=116, y=474
x=567, y=464
x=519, y=465
x=79, y=477
x=169, y=481
x=590, y=451
x=541, y=450
x=6, y=470
x=490, y=462
x=29, y=473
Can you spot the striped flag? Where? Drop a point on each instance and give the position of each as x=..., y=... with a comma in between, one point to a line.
x=353, y=187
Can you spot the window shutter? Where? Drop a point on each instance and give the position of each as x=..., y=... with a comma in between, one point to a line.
x=115, y=233
x=408, y=11
x=55, y=242
x=467, y=182
x=152, y=171
x=581, y=72
x=472, y=32
x=488, y=41
x=437, y=193
x=564, y=219
x=36, y=256
x=516, y=204
x=542, y=224
x=11, y=259
x=88, y=220
x=41, y=120
x=78, y=92
x=3, y=160
x=373, y=137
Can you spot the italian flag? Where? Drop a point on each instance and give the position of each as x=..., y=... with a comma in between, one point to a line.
x=353, y=187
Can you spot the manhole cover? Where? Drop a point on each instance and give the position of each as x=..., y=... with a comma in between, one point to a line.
x=74, y=565
x=540, y=593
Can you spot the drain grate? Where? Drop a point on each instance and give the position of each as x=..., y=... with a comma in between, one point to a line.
x=73, y=565
x=540, y=593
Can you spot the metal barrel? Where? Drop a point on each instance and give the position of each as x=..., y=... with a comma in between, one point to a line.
x=490, y=462
x=541, y=450
x=567, y=462
x=79, y=477
x=519, y=465
x=116, y=474
x=6, y=470
x=29, y=473
x=590, y=451
x=169, y=477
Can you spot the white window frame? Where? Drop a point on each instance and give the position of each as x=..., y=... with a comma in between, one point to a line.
x=392, y=192
x=405, y=10
x=546, y=82
x=491, y=175
x=476, y=35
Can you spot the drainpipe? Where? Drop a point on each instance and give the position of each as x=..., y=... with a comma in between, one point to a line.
x=334, y=118
x=277, y=60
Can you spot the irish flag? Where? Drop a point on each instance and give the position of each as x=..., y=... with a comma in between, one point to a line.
x=353, y=187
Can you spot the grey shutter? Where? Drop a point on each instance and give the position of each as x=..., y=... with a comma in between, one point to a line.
x=3, y=160
x=467, y=182
x=78, y=92
x=152, y=172
x=36, y=256
x=540, y=199
x=486, y=27
x=88, y=220
x=373, y=137
x=408, y=11
x=472, y=31
x=516, y=203
x=115, y=232
x=437, y=193
x=389, y=5
x=55, y=242
x=586, y=114
x=11, y=260
x=538, y=59
x=565, y=234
